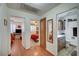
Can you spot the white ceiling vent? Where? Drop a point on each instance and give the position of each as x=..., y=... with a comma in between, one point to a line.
x=29, y=8
x=33, y=8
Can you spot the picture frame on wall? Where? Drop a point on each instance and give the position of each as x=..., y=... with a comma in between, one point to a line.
x=50, y=30
x=5, y=21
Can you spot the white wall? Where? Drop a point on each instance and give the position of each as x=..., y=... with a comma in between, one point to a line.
x=4, y=36
x=52, y=15
x=27, y=17
x=69, y=30
x=1, y=16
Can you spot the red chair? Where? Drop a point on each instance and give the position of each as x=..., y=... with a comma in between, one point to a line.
x=34, y=37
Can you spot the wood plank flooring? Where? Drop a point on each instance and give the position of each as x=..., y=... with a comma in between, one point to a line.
x=18, y=50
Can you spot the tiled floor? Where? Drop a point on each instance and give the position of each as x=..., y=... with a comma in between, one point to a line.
x=19, y=50
x=67, y=51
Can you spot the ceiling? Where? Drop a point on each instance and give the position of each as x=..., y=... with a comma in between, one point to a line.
x=36, y=8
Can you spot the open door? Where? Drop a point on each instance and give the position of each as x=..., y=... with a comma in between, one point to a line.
x=43, y=33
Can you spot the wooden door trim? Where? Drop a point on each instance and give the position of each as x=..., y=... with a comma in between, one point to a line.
x=45, y=32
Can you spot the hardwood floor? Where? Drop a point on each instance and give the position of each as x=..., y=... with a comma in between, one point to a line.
x=18, y=50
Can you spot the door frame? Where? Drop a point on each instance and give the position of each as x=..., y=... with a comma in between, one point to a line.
x=44, y=18
x=39, y=31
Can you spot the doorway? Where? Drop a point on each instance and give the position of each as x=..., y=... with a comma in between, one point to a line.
x=67, y=33
x=16, y=29
x=34, y=33
x=43, y=33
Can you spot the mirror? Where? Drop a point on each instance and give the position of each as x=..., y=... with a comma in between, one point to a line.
x=50, y=30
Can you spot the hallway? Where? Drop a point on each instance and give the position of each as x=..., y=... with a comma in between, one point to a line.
x=19, y=50
x=30, y=29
